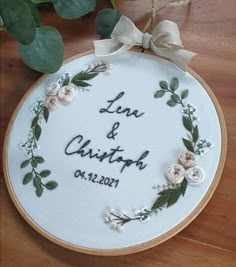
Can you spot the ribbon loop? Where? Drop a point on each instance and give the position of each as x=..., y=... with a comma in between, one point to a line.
x=165, y=41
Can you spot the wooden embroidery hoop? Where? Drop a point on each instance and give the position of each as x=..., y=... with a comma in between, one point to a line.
x=145, y=245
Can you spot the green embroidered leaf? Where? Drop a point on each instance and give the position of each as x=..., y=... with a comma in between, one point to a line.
x=34, y=163
x=171, y=103
x=160, y=202
x=37, y=131
x=34, y=121
x=45, y=114
x=18, y=20
x=81, y=83
x=84, y=76
x=174, y=196
x=45, y=173
x=39, y=159
x=25, y=163
x=175, y=97
x=188, y=145
x=39, y=191
x=73, y=9
x=195, y=134
x=184, y=94
x=159, y=93
x=174, y=84
x=27, y=178
x=37, y=182
x=187, y=123
x=45, y=53
x=51, y=185
x=184, y=186
x=163, y=84
x=105, y=21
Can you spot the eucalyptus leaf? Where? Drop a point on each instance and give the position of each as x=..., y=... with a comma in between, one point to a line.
x=159, y=93
x=163, y=84
x=188, y=144
x=34, y=121
x=175, y=97
x=34, y=163
x=37, y=182
x=187, y=123
x=84, y=76
x=45, y=173
x=34, y=12
x=174, y=84
x=18, y=20
x=27, y=178
x=73, y=9
x=171, y=103
x=184, y=94
x=183, y=186
x=25, y=163
x=45, y=53
x=51, y=185
x=81, y=83
x=105, y=21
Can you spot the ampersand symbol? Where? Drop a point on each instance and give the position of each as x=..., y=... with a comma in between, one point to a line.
x=112, y=133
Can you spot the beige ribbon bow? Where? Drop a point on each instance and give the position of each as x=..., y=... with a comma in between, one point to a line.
x=165, y=41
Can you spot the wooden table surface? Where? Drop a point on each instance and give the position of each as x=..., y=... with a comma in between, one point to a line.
x=207, y=27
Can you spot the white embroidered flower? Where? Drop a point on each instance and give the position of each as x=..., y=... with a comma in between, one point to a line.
x=187, y=159
x=194, y=176
x=51, y=102
x=52, y=88
x=66, y=94
x=175, y=173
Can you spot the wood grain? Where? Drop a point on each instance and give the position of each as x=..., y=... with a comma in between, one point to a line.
x=207, y=27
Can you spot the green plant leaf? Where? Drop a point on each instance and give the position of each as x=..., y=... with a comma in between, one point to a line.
x=113, y=4
x=34, y=121
x=34, y=163
x=37, y=182
x=51, y=185
x=195, y=134
x=160, y=202
x=34, y=12
x=184, y=186
x=83, y=76
x=187, y=123
x=174, y=84
x=39, y=159
x=163, y=84
x=81, y=83
x=39, y=191
x=45, y=53
x=37, y=131
x=174, y=196
x=25, y=163
x=175, y=97
x=105, y=21
x=73, y=9
x=159, y=93
x=45, y=114
x=171, y=103
x=188, y=144
x=45, y=173
x=184, y=94
x=27, y=178
x=18, y=20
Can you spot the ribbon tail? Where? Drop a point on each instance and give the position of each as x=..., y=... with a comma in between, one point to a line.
x=109, y=47
x=179, y=56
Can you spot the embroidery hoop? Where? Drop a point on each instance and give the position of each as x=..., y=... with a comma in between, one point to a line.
x=138, y=247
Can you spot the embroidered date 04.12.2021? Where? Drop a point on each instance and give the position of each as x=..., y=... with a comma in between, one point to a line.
x=95, y=178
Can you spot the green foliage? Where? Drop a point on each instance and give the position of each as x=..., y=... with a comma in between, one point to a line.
x=106, y=20
x=45, y=53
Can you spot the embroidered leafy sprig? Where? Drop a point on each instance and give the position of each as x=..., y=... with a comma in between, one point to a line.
x=34, y=161
x=175, y=98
